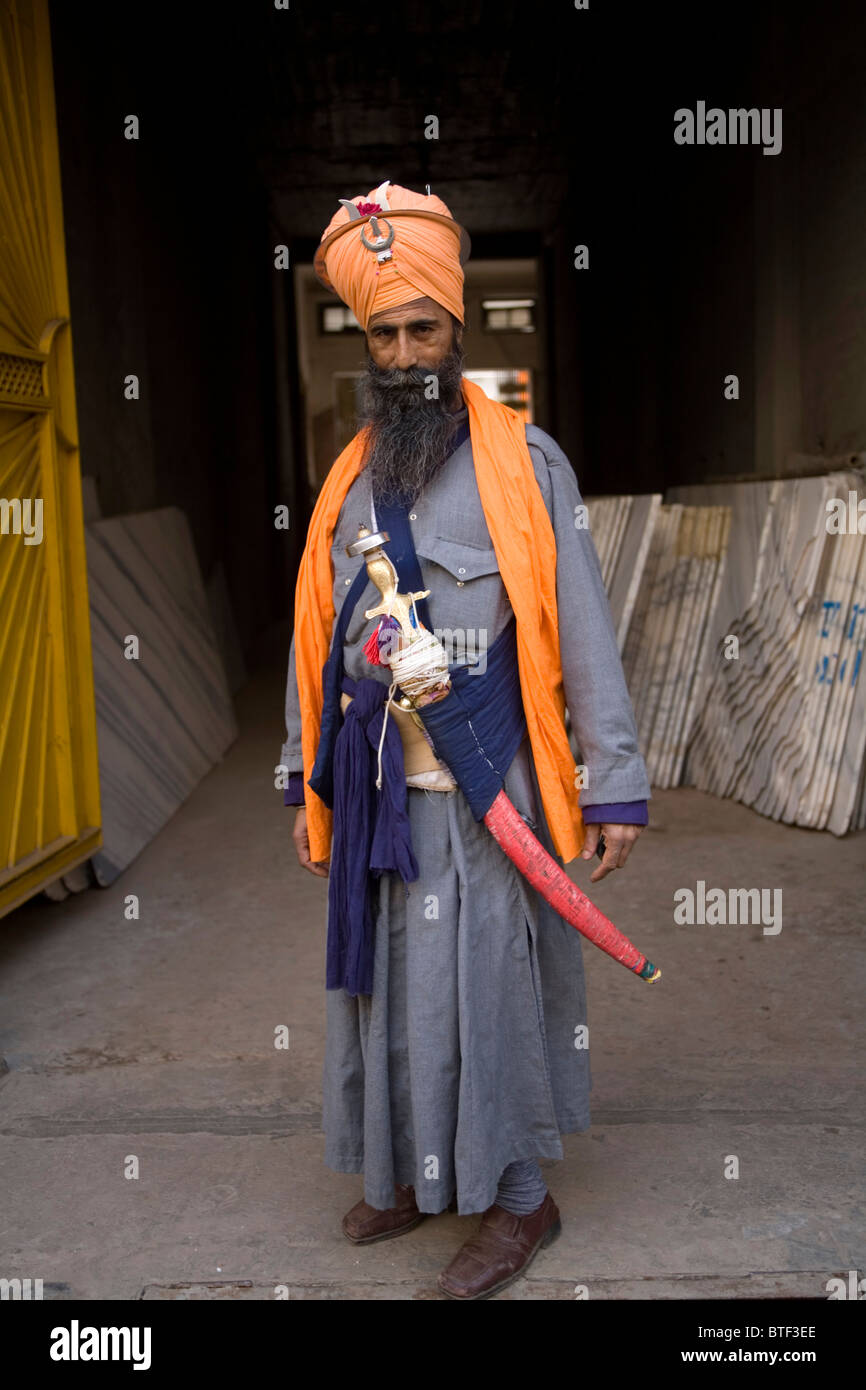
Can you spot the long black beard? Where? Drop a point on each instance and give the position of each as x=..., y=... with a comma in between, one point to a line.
x=409, y=435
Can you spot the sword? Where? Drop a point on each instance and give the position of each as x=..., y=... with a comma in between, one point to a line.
x=419, y=666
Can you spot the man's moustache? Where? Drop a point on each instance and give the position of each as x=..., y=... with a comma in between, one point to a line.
x=411, y=377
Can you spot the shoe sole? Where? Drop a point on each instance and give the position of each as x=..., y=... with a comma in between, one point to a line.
x=387, y=1235
x=550, y=1235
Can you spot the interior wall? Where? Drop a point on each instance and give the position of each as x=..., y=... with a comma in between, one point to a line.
x=767, y=278
x=832, y=263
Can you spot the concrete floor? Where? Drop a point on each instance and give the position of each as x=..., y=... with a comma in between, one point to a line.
x=154, y=1038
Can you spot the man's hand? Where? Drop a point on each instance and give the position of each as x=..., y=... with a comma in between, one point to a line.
x=618, y=841
x=302, y=846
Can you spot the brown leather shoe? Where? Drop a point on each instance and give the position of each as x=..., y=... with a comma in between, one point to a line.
x=502, y=1249
x=365, y=1224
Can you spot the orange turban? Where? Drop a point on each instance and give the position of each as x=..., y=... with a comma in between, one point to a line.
x=425, y=256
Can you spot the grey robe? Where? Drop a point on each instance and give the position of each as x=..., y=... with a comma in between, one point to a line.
x=468, y=1055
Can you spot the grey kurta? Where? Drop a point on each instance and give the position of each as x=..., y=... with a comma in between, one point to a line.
x=467, y=1055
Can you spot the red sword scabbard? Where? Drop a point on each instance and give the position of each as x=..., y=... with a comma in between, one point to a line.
x=539, y=868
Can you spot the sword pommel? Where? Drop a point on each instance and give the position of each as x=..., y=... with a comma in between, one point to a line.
x=367, y=540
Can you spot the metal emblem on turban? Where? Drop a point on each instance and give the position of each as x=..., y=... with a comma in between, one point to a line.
x=382, y=243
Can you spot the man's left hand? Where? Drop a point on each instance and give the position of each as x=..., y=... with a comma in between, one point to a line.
x=618, y=842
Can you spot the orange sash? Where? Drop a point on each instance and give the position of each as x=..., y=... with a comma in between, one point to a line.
x=525, y=547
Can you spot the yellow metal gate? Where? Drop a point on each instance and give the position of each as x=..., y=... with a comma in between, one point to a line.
x=49, y=781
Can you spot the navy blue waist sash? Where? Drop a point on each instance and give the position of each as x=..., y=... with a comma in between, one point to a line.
x=371, y=834
x=476, y=731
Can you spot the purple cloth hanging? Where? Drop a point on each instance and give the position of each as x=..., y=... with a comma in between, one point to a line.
x=371, y=833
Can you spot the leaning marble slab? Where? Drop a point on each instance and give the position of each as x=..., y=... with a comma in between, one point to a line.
x=607, y=520
x=823, y=650
x=752, y=701
x=858, y=818
x=749, y=503
x=638, y=650
x=165, y=718
x=622, y=529
x=689, y=634
x=790, y=762
x=666, y=648
x=849, y=754
x=628, y=572
x=665, y=636
x=844, y=742
x=709, y=561
x=782, y=726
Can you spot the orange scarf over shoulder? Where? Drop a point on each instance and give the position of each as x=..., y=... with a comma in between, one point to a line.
x=525, y=547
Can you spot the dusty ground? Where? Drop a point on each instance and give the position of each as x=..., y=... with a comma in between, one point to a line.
x=155, y=1039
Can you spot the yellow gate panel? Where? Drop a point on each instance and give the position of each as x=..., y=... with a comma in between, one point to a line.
x=49, y=776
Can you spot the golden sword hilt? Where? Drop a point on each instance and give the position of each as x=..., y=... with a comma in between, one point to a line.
x=380, y=569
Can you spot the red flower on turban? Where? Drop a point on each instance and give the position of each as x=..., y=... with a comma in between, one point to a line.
x=366, y=208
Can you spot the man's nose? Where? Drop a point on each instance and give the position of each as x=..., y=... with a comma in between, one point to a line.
x=406, y=355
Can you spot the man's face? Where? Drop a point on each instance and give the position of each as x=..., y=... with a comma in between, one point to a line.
x=409, y=424
x=418, y=334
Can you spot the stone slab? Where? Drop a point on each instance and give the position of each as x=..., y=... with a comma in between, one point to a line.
x=163, y=719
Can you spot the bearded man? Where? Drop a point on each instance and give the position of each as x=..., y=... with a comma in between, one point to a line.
x=455, y=994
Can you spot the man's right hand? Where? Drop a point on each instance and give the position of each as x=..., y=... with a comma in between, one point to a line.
x=302, y=846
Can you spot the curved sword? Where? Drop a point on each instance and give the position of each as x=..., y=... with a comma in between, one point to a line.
x=431, y=683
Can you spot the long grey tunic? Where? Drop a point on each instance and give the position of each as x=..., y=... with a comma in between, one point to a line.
x=469, y=1053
